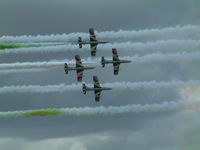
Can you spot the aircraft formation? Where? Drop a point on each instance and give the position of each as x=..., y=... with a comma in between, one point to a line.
x=79, y=68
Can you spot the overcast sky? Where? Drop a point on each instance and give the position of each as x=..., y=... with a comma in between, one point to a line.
x=168, y=130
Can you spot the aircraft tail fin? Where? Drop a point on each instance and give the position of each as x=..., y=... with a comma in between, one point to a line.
x=103, y=61
x=80, y=42
x=84, y=88
x=66, y=68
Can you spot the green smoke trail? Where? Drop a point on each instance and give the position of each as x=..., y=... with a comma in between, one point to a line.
x=41, y=112
x=109, y=110
x=4, y=46
x=31, y=113
x=8, y=46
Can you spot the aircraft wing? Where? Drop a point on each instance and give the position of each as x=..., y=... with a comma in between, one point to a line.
x=93, y=41
x=116, y=68
x=97, y=95
x=78, y=61
x=79, y=75
x=93, y=49
x=96, y=82
x=115, y=55
x=92, y=35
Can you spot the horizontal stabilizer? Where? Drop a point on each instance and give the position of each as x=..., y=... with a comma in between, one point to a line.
x=80, y=42
x=84, y=88
x=66, y=68
x=103, y=61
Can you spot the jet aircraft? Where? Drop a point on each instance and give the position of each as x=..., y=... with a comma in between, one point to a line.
x=116, y=61
x=79, y=68
x=93, y=42
x=97, y=89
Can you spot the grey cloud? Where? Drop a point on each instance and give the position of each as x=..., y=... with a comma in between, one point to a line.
x=42, y=17
x=166, y=130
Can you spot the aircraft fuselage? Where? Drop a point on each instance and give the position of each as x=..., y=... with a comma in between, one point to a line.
x=98, y=89
x=79, y=68
x=93, y=42
x=117, y=62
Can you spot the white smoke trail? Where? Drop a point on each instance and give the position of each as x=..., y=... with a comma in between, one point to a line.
x=190, y=92
x=110, y=110
x=164, y=57
x=151, y=84
x=177, y=32
x=135, y=59
x=40, y=89
x=44, y=64
x=115, y=86
x=161, y=45
x=9, y=71
x=20, y=65
x=165, y=46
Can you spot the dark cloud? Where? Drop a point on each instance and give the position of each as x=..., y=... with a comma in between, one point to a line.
x=44, y=17
x=125, y=131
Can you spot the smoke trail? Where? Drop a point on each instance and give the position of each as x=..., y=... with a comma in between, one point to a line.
x=39, y=88
x=115, y=86
x=161, y=45
x=110, y=110
x=164, y=57
x=190, y=92
x=46, y=49
x=135, y=59
x=166, y=46
x=177, y=32
x=151, y=84
x=9, y=71
x=45, y=64
x=20, y=45
x=11, y=46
